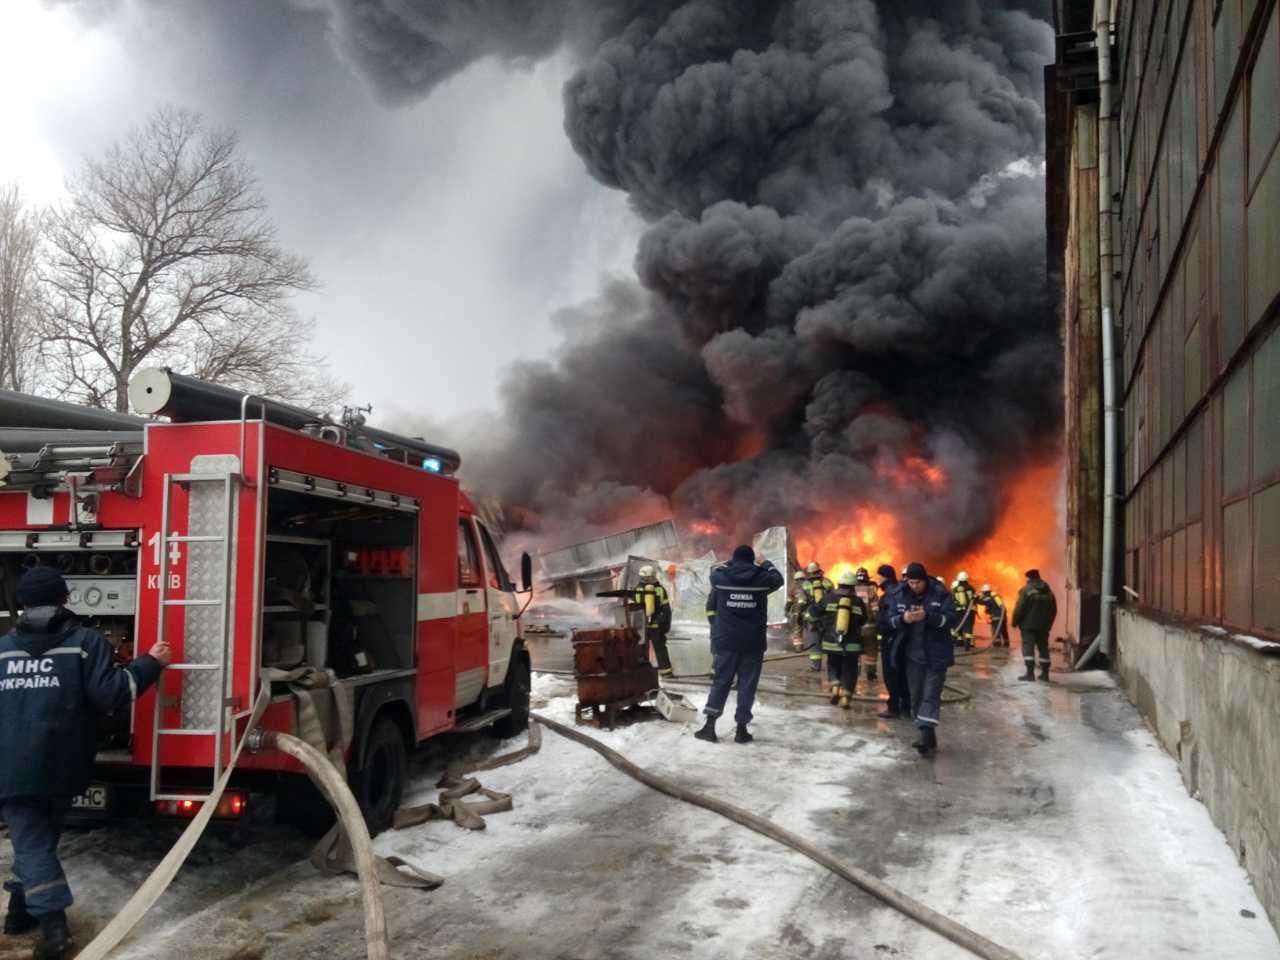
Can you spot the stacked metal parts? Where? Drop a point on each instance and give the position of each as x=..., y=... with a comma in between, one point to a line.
x=613, y=673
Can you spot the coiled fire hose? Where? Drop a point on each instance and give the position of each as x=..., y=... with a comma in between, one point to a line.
x=957, y=933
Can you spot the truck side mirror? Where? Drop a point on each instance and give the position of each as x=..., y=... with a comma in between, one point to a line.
x=526, y=572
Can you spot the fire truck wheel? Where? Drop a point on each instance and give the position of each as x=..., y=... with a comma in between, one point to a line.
x=379, y=784
x=300, y=804
x=517, y=698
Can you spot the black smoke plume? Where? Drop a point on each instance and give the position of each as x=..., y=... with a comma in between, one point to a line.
x=843, y=270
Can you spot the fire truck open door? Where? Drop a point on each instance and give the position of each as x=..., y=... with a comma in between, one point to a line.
x=200, y=570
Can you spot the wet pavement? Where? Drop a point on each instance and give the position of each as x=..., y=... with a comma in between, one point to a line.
x=1049, y=821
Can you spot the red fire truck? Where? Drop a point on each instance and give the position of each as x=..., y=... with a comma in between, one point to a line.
x=257, y=538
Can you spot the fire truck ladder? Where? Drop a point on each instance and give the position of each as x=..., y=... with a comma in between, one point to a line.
x=209, y=629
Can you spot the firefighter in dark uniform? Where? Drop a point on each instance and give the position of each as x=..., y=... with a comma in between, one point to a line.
x=1033, y=615
x=652, y=597
x=741, y=590
x=998, y=615
x=54, y=674
x=894, y=666
x=863, y=586
x=845, y=614
x=966, y=599
x=816, y=586
x=924, y=614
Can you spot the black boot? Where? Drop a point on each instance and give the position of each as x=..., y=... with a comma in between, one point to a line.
x=743, y=735
x=16, y=920
x=928, y=740
x=57, y=937
x=708, y=731
x=1044, y=670
x=1031, y=670
x=889, y=713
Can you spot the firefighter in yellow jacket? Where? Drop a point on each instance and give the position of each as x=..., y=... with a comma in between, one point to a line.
x=652, y=596
x=816, y=588
x=845, y=614
x=998, y=614
x=966, y=599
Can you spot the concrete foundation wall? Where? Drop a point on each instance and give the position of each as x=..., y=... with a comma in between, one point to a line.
x=1214, y=702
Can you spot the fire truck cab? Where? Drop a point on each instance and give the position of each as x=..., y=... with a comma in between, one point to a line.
x=332, y=576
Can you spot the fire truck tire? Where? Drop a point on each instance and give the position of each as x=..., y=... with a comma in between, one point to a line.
x=300, y=804
x=379, y=784
x=517, y=699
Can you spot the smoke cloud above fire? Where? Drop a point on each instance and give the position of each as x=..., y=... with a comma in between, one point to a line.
x=839, y=303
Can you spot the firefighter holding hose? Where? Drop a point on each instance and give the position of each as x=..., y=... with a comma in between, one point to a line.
x=998, y=615
x=966, y=599
x=54, y=674
x=652, y=597
x=845, y=615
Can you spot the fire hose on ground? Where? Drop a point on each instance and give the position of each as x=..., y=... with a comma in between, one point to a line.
x=335, y=788
x=945, y=926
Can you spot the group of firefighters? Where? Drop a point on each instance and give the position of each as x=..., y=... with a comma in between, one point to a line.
x=839, y=621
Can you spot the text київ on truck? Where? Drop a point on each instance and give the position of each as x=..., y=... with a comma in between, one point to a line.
x=261, y=540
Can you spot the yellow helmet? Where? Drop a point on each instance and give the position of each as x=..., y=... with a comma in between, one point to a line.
x=798, y=575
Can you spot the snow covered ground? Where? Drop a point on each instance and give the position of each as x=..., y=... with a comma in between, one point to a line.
x=1050, y=821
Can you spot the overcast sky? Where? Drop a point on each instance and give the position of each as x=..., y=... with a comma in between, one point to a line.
x=444, y=233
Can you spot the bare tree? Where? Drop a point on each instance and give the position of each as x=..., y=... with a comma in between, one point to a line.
x=164, y=255
x=19, y=291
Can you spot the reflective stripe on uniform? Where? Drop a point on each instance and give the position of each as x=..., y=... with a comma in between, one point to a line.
x=30, y=892
x=55, y=652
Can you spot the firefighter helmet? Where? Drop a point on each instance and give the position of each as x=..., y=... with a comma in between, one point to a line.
x=798, y=575
x=813, y=568
x=648, y=573
x=848, y=578
x=986, y=588
x=962, y=577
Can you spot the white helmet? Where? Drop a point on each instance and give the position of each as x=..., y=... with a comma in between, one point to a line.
x=813, y=568
x=648, y=573
x=986, y=588
x=962, y=577
x=848, y=578
x=798, y=575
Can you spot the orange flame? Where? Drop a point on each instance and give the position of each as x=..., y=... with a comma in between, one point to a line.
x=1026, y=534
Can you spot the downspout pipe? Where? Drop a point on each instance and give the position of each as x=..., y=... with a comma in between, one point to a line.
x=1103, y=18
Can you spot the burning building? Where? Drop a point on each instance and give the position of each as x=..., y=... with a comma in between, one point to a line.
x=1164, y=232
